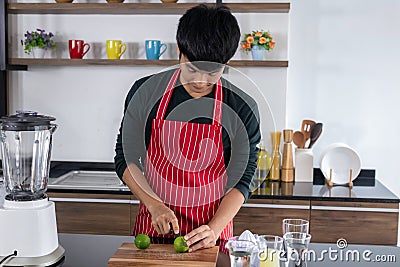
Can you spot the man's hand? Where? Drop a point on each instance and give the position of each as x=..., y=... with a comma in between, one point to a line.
x=202, y=237
x=161, y=217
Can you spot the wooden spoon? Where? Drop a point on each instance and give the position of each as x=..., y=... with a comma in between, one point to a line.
x=306, y=127
x=298, y=139
x=315, y=134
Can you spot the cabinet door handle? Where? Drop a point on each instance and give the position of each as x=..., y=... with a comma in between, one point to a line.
x=94, y=200
x=275, y=206
x=354, y=209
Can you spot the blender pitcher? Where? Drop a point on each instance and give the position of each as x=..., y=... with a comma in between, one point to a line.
x=26, y=140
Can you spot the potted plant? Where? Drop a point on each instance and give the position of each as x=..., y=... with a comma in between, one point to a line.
x=38, y=42
x=257, y=42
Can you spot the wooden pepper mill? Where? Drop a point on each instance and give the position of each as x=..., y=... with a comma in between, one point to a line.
x=276, y=156
x=287, y=160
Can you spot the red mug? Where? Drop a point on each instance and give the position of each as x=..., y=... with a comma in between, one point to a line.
x=77, y=48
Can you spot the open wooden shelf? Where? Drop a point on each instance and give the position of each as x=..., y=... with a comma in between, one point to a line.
x=136, y=8
x=133, y=62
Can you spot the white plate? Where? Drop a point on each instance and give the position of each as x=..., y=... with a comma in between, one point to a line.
x=340, y=158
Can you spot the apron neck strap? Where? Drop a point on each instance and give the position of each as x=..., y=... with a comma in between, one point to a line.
x=162, y=109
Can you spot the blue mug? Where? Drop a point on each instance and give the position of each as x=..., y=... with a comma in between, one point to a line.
x=154, y=49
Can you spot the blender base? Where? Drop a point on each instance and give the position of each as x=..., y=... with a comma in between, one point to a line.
x=29, y=227
x=56, y=258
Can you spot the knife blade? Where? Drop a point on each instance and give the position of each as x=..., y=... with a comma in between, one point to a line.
x=172, y=231
x=176, y=235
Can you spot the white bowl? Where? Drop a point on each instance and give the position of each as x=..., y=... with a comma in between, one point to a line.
x=341, y=159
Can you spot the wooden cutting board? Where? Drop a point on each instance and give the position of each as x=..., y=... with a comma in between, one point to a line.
x=162, y=255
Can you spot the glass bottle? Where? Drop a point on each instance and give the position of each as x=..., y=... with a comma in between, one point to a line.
x=263, y=164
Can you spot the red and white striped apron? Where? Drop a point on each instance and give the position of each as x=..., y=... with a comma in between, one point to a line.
x=185, y=168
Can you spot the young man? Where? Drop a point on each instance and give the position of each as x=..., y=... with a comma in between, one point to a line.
x=187, y=143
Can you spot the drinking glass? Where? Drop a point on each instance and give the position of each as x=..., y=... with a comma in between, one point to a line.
x=240, y=252
x=295, y=225
x=269, y=248
x=296, y=247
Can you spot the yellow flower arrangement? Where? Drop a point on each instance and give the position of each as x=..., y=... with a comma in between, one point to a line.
x=262, y=39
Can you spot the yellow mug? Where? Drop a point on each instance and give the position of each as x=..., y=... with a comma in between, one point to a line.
x=115, y=49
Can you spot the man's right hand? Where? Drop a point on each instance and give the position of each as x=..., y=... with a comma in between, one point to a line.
x=161, y=217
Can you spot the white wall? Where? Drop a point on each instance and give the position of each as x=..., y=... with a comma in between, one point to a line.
x=88, y=101
x=344, y=72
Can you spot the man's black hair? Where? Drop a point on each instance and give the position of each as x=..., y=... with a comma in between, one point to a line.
x=208, y=34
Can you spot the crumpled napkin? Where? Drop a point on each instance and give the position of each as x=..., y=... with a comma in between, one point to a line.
x=249, y=236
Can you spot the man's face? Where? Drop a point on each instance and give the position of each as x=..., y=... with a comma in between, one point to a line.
x=198, y=82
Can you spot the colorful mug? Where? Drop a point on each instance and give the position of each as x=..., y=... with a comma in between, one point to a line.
x=154, y=49
x=115, y=49
x=77, y=48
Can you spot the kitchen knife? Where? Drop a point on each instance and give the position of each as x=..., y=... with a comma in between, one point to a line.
x=172, y=231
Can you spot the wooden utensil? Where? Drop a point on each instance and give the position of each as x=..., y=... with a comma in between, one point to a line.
x=306, y=127
x=298, y=139
x=162, y=255
x=315, y=134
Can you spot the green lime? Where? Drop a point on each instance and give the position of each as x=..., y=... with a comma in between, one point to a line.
x=142, y=241
x=180, y=244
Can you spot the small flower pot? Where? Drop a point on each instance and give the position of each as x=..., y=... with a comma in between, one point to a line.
x=257, y=53
x=38, y=52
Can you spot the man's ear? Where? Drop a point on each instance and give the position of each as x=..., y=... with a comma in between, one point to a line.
x=178, y=52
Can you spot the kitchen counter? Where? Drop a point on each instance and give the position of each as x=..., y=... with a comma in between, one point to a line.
x=310, y=191
x=95, y=250
x=296, y=191
x=366, y=187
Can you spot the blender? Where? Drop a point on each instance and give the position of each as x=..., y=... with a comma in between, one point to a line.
x=28, y=229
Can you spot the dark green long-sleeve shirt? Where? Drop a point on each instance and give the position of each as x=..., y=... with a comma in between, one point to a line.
x=240, y=121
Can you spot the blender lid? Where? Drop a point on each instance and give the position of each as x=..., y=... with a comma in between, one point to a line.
x=25, y=121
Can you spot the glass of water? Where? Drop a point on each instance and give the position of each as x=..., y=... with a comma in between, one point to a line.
x=240, y=252
x=296, y=247
x=295, y=225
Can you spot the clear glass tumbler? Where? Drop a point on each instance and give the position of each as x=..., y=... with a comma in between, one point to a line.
x=296, y=247
x=269, y=250
x=295, y=225
x=240, y=252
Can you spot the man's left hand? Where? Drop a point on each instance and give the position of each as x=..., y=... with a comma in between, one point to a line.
x=201, y=237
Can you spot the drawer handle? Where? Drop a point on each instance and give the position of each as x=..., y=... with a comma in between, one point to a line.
x=94, y=200
x=275, y=206
x=354, y=209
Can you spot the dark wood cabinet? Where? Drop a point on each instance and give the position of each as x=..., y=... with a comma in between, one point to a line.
x=264, y=216
x=357, y=222
x=103, y=214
